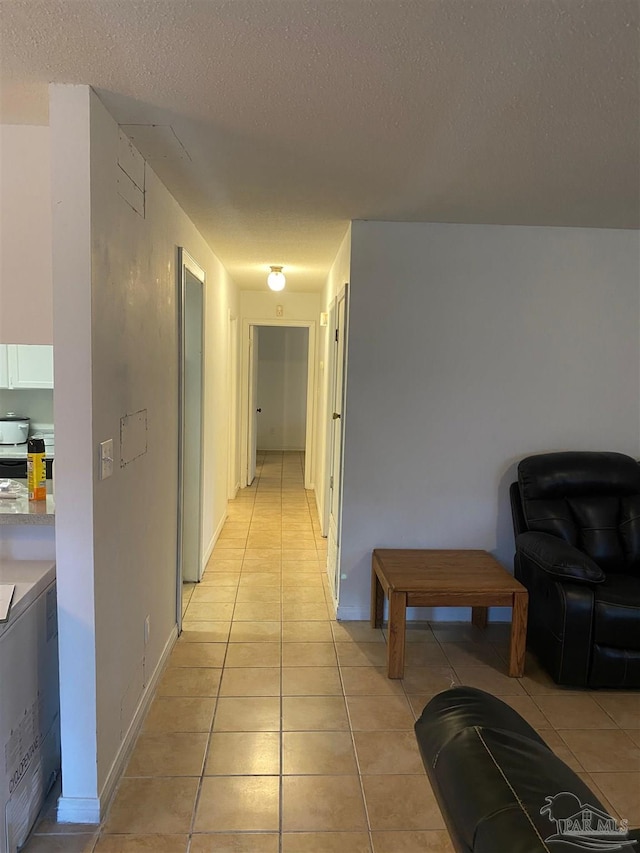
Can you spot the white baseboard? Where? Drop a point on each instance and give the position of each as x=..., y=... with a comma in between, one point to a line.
x=212, y=543
x=360, y=613
x=499, y=614
x=78, y=810
x=319, y=509
x=352, y=613
x=75, y=810
x=334, y=603
x=134, y=727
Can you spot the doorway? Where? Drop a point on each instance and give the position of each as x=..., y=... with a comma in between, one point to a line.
x=191, y=279
x=278, y=391
x=281, y=388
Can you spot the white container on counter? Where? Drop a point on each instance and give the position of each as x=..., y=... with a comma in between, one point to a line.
x=14, y=429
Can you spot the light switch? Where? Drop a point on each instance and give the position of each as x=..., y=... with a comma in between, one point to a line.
x=106, y=458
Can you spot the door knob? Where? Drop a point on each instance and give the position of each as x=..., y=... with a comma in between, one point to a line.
x=336, y=415
x=258, y=410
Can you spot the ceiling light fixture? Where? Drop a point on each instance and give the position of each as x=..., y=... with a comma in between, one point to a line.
x=276, y=279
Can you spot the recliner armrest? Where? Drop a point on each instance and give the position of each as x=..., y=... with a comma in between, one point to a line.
x=558, y=558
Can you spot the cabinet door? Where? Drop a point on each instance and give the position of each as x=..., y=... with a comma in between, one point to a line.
x=4, y=369
x=30, y=366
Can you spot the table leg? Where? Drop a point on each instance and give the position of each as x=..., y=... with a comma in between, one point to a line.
x=397, y=630
x=377, y=601
x=479, y=616
x=518, y=634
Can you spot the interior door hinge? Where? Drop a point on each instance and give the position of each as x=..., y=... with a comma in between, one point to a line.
x=336, y=336
x=331, y=481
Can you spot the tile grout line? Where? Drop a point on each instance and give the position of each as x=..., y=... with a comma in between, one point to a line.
x=355, y=751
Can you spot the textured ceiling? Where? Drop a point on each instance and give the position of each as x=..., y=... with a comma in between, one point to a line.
x=298, y=116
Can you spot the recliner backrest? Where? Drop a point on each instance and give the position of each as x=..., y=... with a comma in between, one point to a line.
x=589, y=499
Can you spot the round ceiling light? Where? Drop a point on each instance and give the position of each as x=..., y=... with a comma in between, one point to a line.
x=276, y=279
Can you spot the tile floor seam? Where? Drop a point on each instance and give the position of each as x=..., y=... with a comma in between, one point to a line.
x=357, y=759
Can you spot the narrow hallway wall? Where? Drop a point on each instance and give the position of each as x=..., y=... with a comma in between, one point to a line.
x=115, y=332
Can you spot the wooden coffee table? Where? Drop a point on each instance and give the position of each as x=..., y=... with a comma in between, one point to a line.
x=418, y=578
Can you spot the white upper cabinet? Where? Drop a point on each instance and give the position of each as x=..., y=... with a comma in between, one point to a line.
x=4, y=368
x=28, y=366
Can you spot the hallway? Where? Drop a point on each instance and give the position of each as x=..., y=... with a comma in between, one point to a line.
x=274, y=728
x=263, y=736
x=278, y=746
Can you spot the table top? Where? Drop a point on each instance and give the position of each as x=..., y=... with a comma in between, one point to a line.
x=416, y=570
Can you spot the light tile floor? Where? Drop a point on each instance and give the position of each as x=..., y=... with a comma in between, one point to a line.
x=274, y=728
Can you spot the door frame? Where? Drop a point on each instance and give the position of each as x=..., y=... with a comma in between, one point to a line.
x=252, y=411
x=246, y=397
x=341, y=297
x=330, y=381
x=187, y=263
x=232, y=396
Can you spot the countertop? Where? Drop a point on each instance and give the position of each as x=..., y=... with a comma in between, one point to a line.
x=24, y=511
x=19, y=451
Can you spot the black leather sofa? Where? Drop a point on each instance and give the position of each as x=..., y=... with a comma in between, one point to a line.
x=576, y=519
x=501, y=789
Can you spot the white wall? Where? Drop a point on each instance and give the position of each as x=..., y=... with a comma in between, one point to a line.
x=71, y=200
x=116, y=353
x=35, y=403
x=282, y=387
x=26, y=313
x=471, y=347
x=233, y=394
x=261, y=305
x=221, y=300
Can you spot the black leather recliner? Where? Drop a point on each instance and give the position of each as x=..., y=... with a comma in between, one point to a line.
x=576, y=518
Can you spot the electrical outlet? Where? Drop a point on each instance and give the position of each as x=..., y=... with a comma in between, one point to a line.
x=147, y=629
x=106, y=458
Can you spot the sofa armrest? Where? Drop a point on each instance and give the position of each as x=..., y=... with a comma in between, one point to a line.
x=558, y=558
x=492, y=774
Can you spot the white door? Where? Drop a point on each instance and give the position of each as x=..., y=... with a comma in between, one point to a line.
x=337, y=429
x=253, y=404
